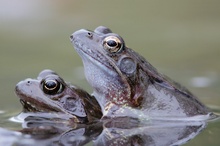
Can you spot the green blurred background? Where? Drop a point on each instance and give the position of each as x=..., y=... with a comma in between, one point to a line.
x=180, y=38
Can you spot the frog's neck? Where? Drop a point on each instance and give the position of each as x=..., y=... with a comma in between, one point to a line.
x=117, y=94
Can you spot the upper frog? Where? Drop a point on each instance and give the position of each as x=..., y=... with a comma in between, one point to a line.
x=123, y=79
x=50, y=93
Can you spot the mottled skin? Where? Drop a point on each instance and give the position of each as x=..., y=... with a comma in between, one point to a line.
x=49, y=93
x=123, y=80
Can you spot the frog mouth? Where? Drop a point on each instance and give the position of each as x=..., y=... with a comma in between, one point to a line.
x=35, y=106
x=30, y=104
x=28, y=107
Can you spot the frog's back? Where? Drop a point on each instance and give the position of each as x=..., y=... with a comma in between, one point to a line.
x=165, y=96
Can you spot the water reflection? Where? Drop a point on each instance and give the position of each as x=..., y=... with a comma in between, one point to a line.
x=41, y=130
x=161, y=133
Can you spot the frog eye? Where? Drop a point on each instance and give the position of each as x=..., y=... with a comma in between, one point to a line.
x=51, y=86
x=112, y=44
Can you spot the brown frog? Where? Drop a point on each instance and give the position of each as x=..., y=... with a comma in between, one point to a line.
x=125, y=83
x=50, y=93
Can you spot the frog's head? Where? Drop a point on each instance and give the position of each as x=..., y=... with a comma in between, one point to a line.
x=112, y=69
x=49, y=93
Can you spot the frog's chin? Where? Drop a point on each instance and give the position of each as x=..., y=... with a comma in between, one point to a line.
x=93, y=63
x=96, y=70
x=97, y=75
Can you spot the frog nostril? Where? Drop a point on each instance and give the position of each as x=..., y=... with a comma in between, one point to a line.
x=28, y=82
x=89, y=34
x=71, y=37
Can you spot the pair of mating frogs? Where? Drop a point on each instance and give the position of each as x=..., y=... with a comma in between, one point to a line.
x=124, y=84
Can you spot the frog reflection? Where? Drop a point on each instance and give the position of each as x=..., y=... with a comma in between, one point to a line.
x=44, y=131
x=50, y=94
x=124, y=82
x=112, y=132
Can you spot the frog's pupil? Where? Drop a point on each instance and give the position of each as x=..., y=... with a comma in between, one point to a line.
x=111, y=43
x=51, y=84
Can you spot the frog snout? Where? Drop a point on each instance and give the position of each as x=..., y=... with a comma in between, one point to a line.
x=22, y=85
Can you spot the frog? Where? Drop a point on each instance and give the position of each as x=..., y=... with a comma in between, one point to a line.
x=126, y=84
x=49, y=93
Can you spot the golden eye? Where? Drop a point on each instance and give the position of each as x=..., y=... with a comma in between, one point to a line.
x=112, y=44
x=51, y=86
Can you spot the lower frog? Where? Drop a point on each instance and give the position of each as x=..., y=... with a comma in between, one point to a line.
x=125, y=83
x=50, y=93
